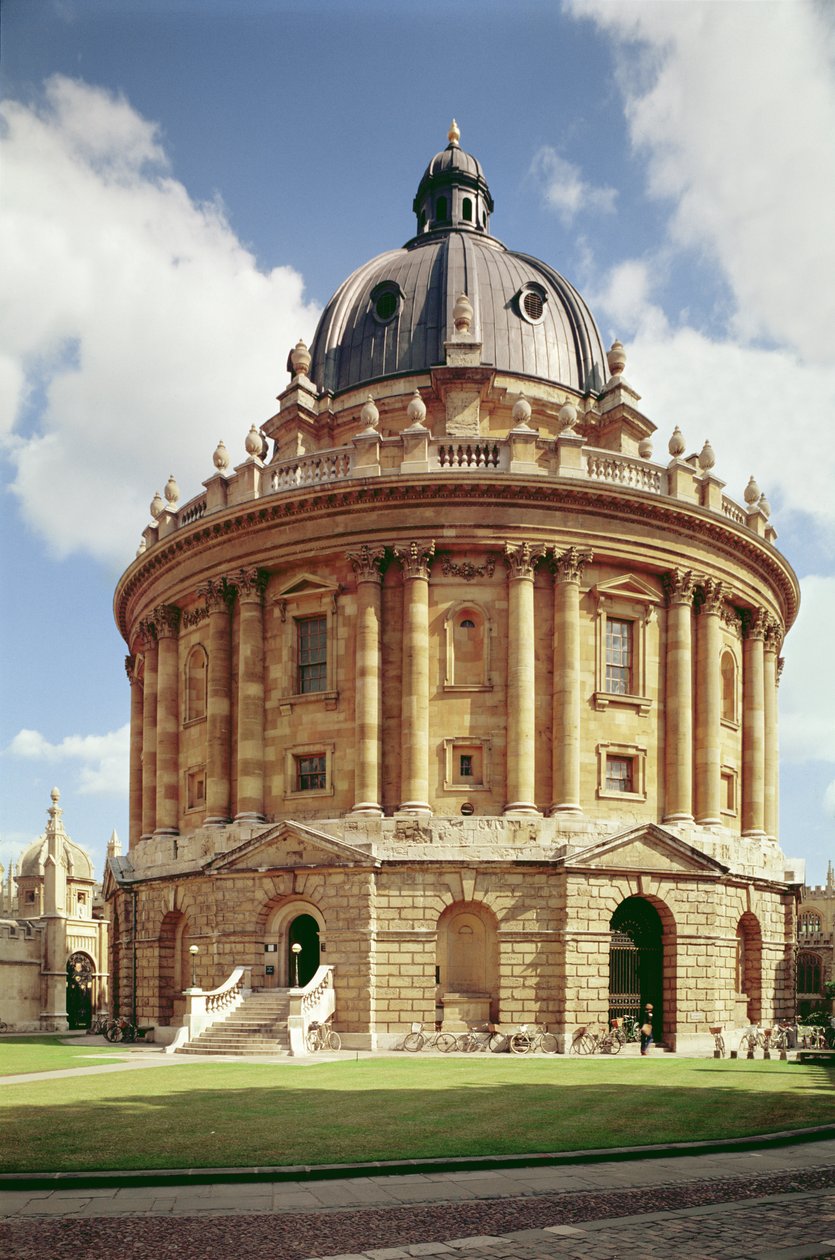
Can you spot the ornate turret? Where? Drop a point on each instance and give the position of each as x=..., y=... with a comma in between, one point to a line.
x=453, y=192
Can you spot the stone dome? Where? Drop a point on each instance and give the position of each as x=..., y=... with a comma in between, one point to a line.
x=77, y=861
x=392, y=316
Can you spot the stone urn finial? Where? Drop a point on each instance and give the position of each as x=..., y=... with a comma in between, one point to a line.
x=370, y=416
x=677, y=446
x=707, y=457
x=220, y=459
x=416, y=410
x=172, y=492
x=645, y=448
x=300, y=359
x=254, y=442
x=567, y=415
x=616, y=358
x=157, y=505
x=521, y=412
x=462, y=314
x=765, y=506
x=752, y=493
x=142, y=548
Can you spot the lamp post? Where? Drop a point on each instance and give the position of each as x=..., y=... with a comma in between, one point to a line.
x=194, y=951
x=295, y=950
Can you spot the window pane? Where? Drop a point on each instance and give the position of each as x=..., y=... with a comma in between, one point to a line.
x=619, y=656
x=313, y=654
x=619, y=774
x=310, y=774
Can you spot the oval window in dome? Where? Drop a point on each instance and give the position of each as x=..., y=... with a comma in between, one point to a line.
x=530, y=303
x=385, y=301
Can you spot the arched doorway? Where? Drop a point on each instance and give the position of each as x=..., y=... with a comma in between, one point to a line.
x=80, y=978
x=636, y=961
x=303, y=931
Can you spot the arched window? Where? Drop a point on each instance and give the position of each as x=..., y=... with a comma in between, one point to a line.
x=467, y=634
x=728, y=672
x=441, y=210
x=809, y=924
x=809, y=975
x=196, y=679
x=467, y=210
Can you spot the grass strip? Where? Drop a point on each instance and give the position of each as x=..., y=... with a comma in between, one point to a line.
x=48, y=1054
x=239, y=1114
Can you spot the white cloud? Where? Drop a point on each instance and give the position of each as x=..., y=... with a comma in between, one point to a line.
x=807, y=689
x=139, y=315
x=733, y=106
x=101, y=760
x=564, y=188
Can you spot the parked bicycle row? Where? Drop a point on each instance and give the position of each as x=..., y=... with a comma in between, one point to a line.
x=781, y=1037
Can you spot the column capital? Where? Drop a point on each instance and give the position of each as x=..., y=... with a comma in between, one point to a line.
x=569, y=565
x=147, y=634
x=250, y=584
x=710, y=597
x=416, y=558
x=218, y=594
x=166, y=619
x=132, y=669
x=754, y=623
x=366, y=562
x=679, y=586
x=781, y=660
x=773, y=636
x=521, y=559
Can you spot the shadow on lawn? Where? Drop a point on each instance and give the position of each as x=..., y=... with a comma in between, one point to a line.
x=281, y=1123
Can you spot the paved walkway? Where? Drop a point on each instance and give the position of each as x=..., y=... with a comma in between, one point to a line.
x=773, y=1203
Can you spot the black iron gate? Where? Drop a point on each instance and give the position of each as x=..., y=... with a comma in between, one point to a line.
x=80, y=973
x=636, y=962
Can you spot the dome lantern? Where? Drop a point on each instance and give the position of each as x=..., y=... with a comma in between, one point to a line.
x=453, y=192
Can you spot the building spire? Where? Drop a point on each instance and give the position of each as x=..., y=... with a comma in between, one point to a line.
x=454, y=133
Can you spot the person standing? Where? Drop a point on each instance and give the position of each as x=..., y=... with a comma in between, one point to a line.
x=646, y=1029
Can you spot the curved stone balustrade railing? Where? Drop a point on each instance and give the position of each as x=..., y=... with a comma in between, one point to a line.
x=204, y=1008
x=316, y=1002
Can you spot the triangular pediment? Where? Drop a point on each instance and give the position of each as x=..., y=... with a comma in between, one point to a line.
x=288, y=845
x=307, y=584
x=627, y=586
x=646, y=848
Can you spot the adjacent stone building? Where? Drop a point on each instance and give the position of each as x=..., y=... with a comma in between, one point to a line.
x=455, y=684
x=816, y=944
x=53, y=934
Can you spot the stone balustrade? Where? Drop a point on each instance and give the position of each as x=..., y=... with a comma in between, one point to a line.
x=206, y=1007
x=316, y=1002
x=390, y=456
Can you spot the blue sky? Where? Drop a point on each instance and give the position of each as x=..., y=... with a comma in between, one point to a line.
x=187, y=181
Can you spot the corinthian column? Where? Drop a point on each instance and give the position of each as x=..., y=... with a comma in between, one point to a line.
x=218, y=703
x=771, y=651
x=135, y=789
x=753, y=724
x=521, y=697
x=709, y=704
x=149, y=728
x=250, y=584
x=167, y=622
x=366, y=565
x=565, y=751
x=414, y=756
x=678, y=709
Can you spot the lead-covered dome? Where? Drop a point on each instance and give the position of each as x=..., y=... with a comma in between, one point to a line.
x=393, y=315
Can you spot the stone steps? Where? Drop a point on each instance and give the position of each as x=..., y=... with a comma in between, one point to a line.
x=257, y=1026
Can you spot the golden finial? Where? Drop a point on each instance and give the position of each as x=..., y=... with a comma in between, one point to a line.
x=454, y=134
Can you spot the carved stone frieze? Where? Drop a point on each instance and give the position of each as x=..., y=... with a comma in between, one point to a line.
x=467, y=570
x=679, y=586
x=366, y=562
x=416, y=558
x=194, y=616
x=731, y=618
x=569, y=565
x=522, y=559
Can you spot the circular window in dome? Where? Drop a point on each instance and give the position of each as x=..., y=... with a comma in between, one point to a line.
x=385, y=301
x=530, y=303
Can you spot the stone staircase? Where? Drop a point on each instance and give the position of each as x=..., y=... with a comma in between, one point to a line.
x=257, y=1026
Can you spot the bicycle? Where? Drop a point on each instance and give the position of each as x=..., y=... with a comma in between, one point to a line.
x=718, y=1043
x=586, y=1041
x=417, y=1040
x=531, y=1038
x=98, y=1025
x=481, y=1039
x=4, y=1027
x=120, y=1030
x=754, y=1039
x=625, y=1029
x=322, y=1037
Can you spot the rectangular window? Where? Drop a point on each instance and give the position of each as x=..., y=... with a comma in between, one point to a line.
x=311, y=773
x=196, y=788
x=728, y=792
x=312, y=645
x=466, y=770
x=618, y=656
x=619, y=774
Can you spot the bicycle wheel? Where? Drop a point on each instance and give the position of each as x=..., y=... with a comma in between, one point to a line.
x=464, y=1042
x=549, y=1044
x=413, y=1042
x=312, y=1040
x=113, y=1033
x=747, y=1045
x=497, y=1043
x=334, y=1040
x=613, y=1045
x=446, y=1042
x=720, y=1046
x=521, y=1043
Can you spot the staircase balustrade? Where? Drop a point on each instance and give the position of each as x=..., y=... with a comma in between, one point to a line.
x=315, y=1002
x=204, y=1008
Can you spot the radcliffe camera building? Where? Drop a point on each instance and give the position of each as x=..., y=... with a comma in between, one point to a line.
x=462, y=680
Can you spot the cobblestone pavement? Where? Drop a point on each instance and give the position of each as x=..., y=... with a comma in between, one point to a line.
x=772, y=1205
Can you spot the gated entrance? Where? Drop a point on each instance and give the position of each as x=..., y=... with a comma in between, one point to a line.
x=80, y=972
x=304, y=931
x=636, y=957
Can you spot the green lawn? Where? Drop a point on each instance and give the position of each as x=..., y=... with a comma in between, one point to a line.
x=238, y=1114
x=48, y=1054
